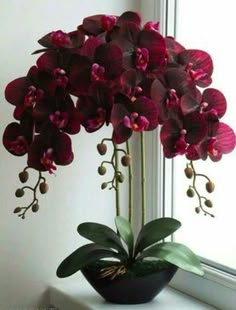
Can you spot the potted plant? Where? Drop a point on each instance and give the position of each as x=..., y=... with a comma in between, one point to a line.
x=115, y=71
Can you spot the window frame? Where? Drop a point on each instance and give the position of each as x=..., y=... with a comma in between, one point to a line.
x=217, y=287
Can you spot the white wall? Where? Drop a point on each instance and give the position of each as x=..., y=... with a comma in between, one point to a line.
x=31, y=249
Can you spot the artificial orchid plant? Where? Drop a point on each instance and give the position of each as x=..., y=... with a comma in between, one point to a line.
x=114, y=71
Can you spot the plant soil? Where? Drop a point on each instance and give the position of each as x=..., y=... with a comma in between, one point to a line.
x=136, y=269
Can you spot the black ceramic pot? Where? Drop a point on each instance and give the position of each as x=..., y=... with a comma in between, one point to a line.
x=129, y=290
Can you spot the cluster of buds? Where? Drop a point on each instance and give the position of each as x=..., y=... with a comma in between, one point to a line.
x=203, y=201
x=40, y=186
x=125, y=160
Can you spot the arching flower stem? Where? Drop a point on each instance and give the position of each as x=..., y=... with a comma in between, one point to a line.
x=131, y=192
x=117, y=186
x=143, y=179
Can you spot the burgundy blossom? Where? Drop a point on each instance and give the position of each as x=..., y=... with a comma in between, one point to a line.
x=97, y=24
x=152, y=26
x=147, y=46
x=95, y=108
x=62, y=40
x=58, y=110
x=17, y=137
x=129, y=17
x=94, y=25
x=178, y=134
x=108, y=22
x=220, y=140
x=174, y=48
x=198, y=64
x=133, y=116
x=26, y=92
x=49, y=149
x=212, y=103
x=168, y=90
x=106, y=66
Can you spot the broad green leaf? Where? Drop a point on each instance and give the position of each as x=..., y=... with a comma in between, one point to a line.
x=176, y=253
x=82, y=257
x=102, y=235
x=125, y=230
x=155, y=231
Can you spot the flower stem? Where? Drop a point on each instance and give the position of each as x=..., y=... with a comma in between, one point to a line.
x=116, y=181
x=200, y=198
x=131, y=192
x=143, y=180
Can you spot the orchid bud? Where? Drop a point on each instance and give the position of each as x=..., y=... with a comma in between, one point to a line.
x=23, y=176
x=197, y=210
x=126, y=160
x=104, y=185
x=102, y=170
x=190, y=192
x=17, y=210
x=208, y=203
x=210, y=186
x=43, y=187
x=35, y=207
x=120, y=178
x=102, y=148
x=19, y=192
x=188, y=172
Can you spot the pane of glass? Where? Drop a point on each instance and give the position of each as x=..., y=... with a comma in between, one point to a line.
x=210, y=26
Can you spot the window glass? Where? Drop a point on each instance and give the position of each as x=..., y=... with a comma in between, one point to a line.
x=210, y=26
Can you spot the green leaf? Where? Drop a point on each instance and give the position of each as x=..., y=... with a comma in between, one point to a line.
x=125, y=230
x=102, y=235
x=177, y=254
x=155, y=231
x=82, y=257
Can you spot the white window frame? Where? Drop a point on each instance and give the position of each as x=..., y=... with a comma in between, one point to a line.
x=217, y=288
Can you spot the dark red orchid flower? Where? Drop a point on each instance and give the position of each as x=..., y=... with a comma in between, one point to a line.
x=109, y=56
x=17, y=137
x=59, y=65
x=168, y=90
x=25, y=92
x=49, y=149
x=129, y=17
x=95, y=108
x=106, y=66
x=143, y=49
x=89, y=48
x=198, y=64
x=133, y=116
x=95, y=25
x=178, y=134
x=211, y=103
x=58, y=110
x=60, y=39
x=220, y=140
x=130, y=83
x=173, y=49
x=14, y=140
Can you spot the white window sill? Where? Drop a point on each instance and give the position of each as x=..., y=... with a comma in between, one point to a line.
x=79, y=295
